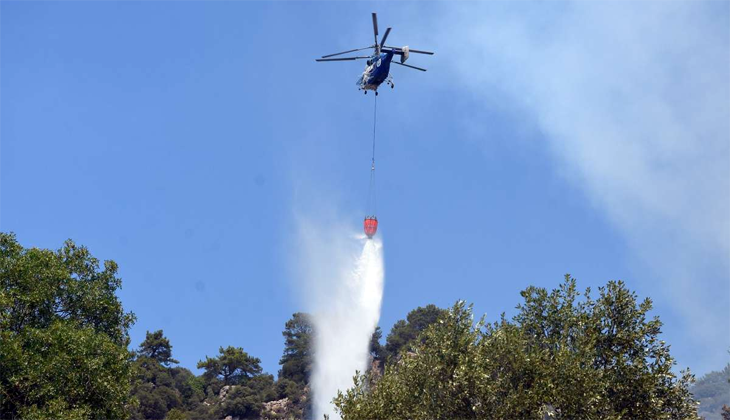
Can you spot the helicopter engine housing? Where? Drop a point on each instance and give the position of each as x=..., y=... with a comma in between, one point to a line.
x=405, y=54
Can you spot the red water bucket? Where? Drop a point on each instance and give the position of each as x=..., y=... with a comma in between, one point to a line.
x=370, y=225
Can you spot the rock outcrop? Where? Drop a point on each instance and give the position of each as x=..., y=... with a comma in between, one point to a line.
x=224, y=392
x=279, y=409
x=287, y=409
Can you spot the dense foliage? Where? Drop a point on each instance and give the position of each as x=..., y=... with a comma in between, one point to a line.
x=559, y=356
x=232, y=383
x=404, y=332
x=64, y=339
x=63, y=335
x=159, y=388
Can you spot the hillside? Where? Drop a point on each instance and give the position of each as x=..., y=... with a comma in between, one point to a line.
x=713, y=391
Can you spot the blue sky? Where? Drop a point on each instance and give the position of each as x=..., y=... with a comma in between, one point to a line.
x=182, y=139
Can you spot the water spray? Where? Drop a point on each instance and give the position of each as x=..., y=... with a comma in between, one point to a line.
x=346, y=324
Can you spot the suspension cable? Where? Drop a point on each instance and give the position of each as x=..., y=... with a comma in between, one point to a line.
x=371, y=193
x=375, y=117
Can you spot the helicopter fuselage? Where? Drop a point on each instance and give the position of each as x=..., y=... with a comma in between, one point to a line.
x=378, y=64
x=376, y=72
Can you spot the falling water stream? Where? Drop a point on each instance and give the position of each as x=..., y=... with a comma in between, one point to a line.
x=344, y=323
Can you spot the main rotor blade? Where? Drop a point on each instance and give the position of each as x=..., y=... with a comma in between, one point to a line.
x=349, y=51
x=340, y=59
x=410, y=50
x=375, y=27
x=387, y=31
x=420, y=52
x=408, y=65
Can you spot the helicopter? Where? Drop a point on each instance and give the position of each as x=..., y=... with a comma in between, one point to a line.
x=377, y=70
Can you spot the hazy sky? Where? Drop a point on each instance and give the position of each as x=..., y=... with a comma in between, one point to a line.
x=183, y=140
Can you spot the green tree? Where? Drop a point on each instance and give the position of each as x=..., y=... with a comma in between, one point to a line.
x=241, y=402
x=571, y=357
x=233, y=366
x=63, y=334
x=286, y=388
x=376, y=349
x=245, y=401
x=190, y=387
x=404, y=332
x=154, y=389
x=176, y=414
x=158, y=388
x=156, y=346
x=296, y=362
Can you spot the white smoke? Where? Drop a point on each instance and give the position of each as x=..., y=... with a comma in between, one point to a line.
x=633, y=102
x=343, y=287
